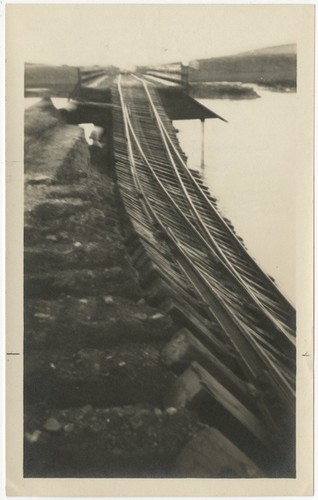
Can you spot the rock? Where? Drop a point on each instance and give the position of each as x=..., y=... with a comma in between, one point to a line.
x=68, y=427
x=157, y=316
x=34, y=437
x=115, y=270
x=63, y=235
x=39, y=179
x=127, y=441
x=52, y=425
x=108, y=299
x=42, y=316
x=171, y=410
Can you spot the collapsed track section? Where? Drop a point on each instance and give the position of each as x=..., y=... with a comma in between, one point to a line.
x=211, y=281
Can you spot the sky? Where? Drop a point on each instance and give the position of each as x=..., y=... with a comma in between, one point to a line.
x=128, y=35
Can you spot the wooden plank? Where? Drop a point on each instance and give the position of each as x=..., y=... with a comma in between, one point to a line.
x=210, y=454
x=231, y=404
x=184, y=390
x=184, y=348
x=195, y=382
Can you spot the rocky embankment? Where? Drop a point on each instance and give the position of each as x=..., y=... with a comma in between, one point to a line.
x=97, y=361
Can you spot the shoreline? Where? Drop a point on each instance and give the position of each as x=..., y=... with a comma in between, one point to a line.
x=236, y=90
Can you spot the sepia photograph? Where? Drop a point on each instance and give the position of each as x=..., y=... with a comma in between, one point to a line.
x=159, y=255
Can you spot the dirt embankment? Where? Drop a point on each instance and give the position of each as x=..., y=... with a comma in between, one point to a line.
x=94, y=379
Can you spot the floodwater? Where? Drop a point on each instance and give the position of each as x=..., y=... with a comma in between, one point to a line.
x=250, y=167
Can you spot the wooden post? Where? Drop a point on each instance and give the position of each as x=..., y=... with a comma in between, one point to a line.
x=77, y=87
x=185, y=77
x=202, y=143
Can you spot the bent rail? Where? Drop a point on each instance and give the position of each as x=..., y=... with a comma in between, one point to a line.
x=197, y=253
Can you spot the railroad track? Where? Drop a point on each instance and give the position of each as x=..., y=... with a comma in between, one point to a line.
x=232, y=305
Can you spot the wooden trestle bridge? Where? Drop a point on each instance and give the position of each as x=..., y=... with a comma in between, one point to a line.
x=198, y=269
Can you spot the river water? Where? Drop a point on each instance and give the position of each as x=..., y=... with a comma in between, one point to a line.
x=250, y=167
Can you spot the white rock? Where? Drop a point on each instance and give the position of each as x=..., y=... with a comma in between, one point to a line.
x=171, y=410
x=157, y=316
x=52, y=425
x=108, y=299
x=34, y=437
x=42, y=316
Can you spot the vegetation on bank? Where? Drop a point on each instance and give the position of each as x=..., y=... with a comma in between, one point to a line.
x=222, y=91
x=278, y=85
x=273, y=66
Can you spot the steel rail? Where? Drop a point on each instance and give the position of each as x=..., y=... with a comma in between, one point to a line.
x=190, y=263
x=195, y=183
x=272, y=347
x=278, y=324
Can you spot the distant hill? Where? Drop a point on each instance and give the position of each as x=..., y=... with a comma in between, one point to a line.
x=272, y=66
x=290, y=48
